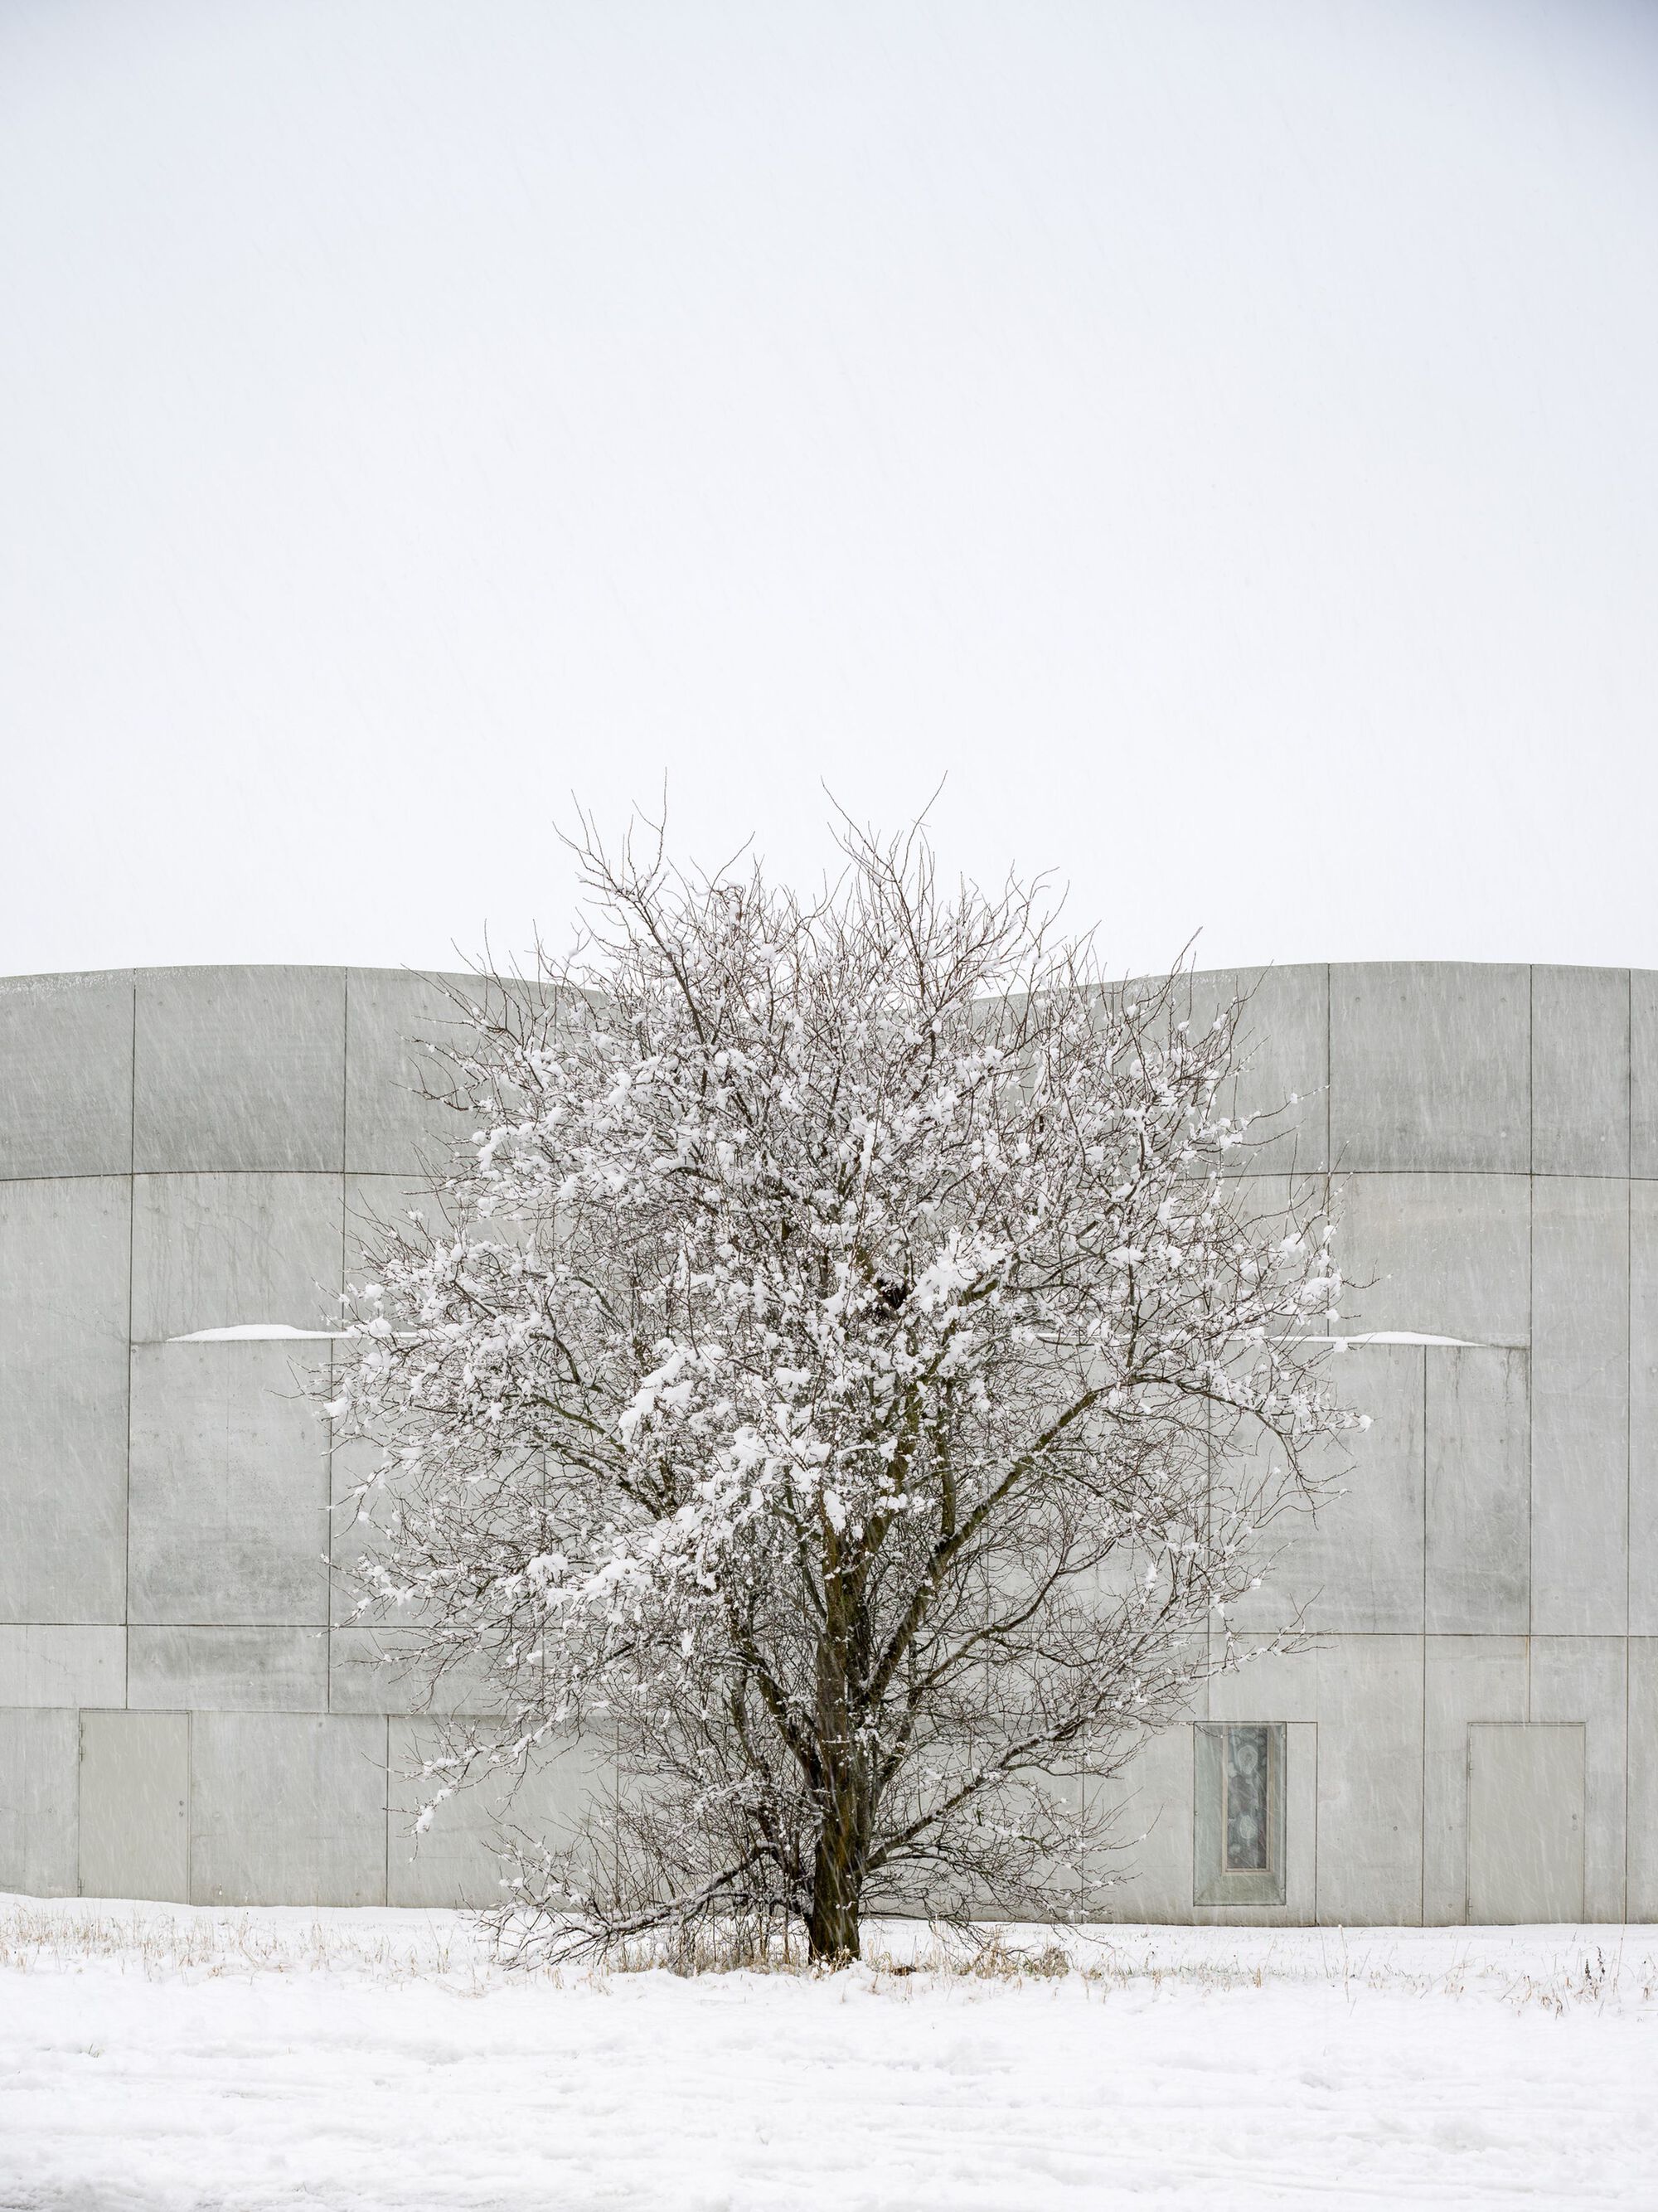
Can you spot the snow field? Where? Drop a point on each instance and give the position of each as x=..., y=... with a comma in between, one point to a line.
x=154, y=2058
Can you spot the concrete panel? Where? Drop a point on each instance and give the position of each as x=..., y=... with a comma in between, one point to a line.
x=367, y=1675
x=350, y=1462
x=38, y=1784
x=282, y=1670
x=1478, y=1455
x=980, y=1897
x=1059, y=1878
x=1358, y=1564
x=1644, y=1408
x=64, y=1266
x=134, y=1798
x=1524, y=1824
x=1580, y=1070
x=1278, y=1686
x=49, y=1666
x=1248, y=1464
x=66, y=1074
x=1301, y=1831
x=1149, y=1808
x=1246, y=1456
x=1281, y=1046
x=1430, y=1066
x=393, y=1021
x=217, y=1251
x=1581, y=1681
x=455, y=1862
x=378, y=1206
x=228, y=1518
x=286, y=1809
x=1580, y=1406
x=1437, y=1255
x=1369, y=1781
x=1468, y=1679
x=1643, y=1071
x=239, y=1068
x=1643, y=1894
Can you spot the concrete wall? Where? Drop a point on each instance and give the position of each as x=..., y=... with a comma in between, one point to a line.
x=180, y=1150
x=187, y=1149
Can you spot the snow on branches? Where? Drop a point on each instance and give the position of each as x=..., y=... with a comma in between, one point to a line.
x=845, y=1380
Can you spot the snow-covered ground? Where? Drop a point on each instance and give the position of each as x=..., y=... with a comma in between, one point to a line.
x=157, y=2056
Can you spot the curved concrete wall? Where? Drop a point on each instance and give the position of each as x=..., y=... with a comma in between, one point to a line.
x=187, y=1149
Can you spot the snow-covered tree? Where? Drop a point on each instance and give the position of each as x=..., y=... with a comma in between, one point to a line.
x=845, y=1378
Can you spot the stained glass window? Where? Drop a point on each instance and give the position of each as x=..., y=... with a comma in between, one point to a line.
x=1243, y=1780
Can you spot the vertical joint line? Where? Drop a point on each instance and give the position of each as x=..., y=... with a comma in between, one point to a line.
x=328, y=1461
x=1329, y=1090
x=1629, y=1389
x=1530, y=1321
x=1422, y=1824
x=126, y=1472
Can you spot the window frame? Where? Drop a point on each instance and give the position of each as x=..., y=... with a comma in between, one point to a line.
x=1212, y=1881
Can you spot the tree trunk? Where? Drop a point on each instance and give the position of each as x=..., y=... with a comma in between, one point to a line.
x=837, y=1873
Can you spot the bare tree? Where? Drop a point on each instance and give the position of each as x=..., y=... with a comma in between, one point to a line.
x=846, y=1379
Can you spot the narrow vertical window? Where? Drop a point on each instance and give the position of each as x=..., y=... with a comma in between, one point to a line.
x=1238, y=1837
x=1243, y=1775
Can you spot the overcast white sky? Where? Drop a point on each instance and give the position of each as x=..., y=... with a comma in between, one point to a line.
x=1221, y=434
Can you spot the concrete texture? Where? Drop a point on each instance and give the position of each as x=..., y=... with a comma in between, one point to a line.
x=257, y=1246
x=66, y=1075
x=1580, y=1028
x=286, y=1808
x=228, y=1519
x=39, y=1802
x=191, y=1149
x=1430, y=1068
x=1644, y=1409
x=64, y=1302
x=393, y=1024
x=1580, y=1405
x=1283, y=1063
x=1643, y=1073
x=54, y=1665
x=1579, y=1682
x=280, y=1670
x=1438, y=1254
x=1150, y=1812
x=1359, y=1564
x=1469, y=1681
x=366, y=1676
x=239, y=1068
x=1641, y=1858
x=1477, y=1415
x=453, y=1862
x=1369, y=1779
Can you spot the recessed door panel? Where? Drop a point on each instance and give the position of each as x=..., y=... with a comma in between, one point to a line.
x=135, y=1796
x=1525, y=1824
